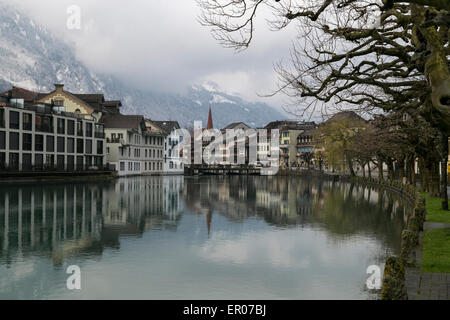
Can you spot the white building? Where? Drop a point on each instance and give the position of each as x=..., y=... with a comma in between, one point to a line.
x=131, y=147
x=173, y=162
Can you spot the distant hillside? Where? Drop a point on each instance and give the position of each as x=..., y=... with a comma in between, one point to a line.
x=32, y=58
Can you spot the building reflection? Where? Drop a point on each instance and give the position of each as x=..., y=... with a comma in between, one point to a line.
x=67, y=220
x=342, y=209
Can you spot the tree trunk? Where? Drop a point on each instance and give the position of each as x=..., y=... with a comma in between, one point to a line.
x=369, y=171
x=350, y=166
x=444, y=194
x=390, y=166
x=401, y=167
x=435, y=180
x=411, y=170
x=424, y=175
x=380, y=169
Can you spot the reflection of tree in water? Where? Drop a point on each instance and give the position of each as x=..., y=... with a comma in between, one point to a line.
x=342, y=209
x=351, y=210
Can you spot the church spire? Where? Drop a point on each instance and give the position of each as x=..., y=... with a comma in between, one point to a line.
x=210, y=121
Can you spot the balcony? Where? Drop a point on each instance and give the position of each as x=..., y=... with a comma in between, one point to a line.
x=115, y=140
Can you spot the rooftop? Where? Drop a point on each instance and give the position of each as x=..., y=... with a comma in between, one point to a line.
x=95, y=101
x=167, y=126
x=120, y=121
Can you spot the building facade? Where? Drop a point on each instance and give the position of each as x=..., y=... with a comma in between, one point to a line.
x=131, y=148
x=173, y=160
x=290, y=131
x=42, y=137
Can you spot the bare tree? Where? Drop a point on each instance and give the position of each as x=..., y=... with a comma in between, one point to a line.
x=369, y=54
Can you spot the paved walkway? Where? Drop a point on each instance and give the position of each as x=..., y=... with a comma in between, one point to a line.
x=427, y=285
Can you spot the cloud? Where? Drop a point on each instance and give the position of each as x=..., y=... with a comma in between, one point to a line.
x=160, y=45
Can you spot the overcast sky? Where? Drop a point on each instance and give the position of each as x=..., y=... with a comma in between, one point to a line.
x=159, y=44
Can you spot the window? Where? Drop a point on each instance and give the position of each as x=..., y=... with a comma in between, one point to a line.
x=80, y=165
x=70, y=146
x=89, y=129
x=39, y=142
x=58, y=102
x=61, y=144
x=99, y=147
x=99, y=131
x=50, y=144
x=89, y=146
x=80, y=146
x=61, y=125
x=2, y=118
x=79, y=128
x=50, y=160
x=13, y=120
x=2, y=160
x=27, y=142
x=71, y=127
x=2, y=140
x=27, y=122
x=13, y=141
x=122, y=166
x=26, y=162
x=98, y=161
x=14, y=161
x=61, y=163
x=44, y=124
x=39, y=161
x=107, y=151
x=70, y=163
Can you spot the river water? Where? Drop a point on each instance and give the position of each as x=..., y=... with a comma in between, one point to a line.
x=210, y=237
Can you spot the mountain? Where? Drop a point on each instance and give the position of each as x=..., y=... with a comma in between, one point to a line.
x=32, y=58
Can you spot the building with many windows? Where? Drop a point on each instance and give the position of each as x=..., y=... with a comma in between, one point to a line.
x=38, y=136
x=173, y=162
x=132, y=149
x=290, y=131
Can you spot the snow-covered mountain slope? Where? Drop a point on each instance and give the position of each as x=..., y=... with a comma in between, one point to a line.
x=32, y=58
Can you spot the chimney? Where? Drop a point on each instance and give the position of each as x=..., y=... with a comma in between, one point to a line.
x=59, y=87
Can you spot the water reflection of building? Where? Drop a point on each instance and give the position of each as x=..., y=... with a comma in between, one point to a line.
x=62, y=221
x=344, y=209
x=279, y=200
